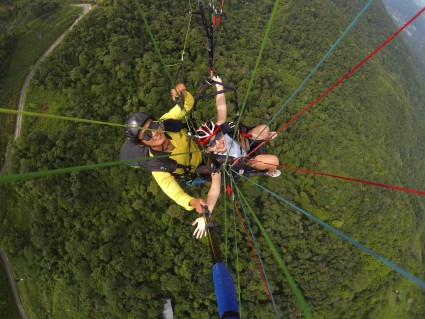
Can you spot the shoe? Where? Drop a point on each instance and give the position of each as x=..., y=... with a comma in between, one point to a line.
x=272, y=135
x=275, y=173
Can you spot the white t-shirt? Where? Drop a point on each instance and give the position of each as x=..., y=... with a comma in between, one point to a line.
x=233, y=148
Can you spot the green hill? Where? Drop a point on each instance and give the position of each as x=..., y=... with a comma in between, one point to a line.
x=27, y=29
x=108, y=243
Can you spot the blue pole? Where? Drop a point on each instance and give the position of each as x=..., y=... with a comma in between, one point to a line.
x=223, y=283
x=225, y=292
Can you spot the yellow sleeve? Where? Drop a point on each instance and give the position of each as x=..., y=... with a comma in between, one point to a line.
x=172, y=189
x=176, y=113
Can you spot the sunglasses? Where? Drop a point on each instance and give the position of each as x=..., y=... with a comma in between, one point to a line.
x=212, y=143
x=147, y=134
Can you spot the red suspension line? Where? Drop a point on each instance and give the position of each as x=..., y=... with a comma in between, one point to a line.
x=398, y=188
x=254, y=253
x=356, y=180
x=343, y=78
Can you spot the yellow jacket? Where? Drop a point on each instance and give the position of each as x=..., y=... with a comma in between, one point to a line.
x=182, y=144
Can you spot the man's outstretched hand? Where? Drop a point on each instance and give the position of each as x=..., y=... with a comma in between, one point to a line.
x=198, y=204
x=178, y=91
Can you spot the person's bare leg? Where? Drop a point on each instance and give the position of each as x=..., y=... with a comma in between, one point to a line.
x=265, y=162
x=260, y=132
x=256, y=131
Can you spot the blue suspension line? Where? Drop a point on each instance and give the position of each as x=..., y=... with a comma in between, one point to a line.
x=393, y=266
x=351, y=25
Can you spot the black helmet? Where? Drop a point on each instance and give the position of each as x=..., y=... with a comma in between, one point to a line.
x=136, y=119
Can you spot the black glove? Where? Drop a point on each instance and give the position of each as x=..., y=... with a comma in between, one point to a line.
x=216, y=167
x=180, y=101
x=227, y=127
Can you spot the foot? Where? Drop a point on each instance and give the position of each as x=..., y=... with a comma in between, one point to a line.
x=275, y=173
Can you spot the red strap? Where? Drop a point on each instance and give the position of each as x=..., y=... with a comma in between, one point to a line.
x=397, y=188
x=257, y=261
x=228, y=190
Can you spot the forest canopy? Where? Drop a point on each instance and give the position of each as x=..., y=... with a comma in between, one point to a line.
x=109, y=244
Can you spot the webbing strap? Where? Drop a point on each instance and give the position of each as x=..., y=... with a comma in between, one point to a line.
x=209, y=30
x=201, y=95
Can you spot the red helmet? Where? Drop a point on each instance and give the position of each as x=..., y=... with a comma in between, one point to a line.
x=204, y=133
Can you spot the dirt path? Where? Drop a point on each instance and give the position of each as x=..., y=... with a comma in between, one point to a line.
x=20, y=106
x=86, y=8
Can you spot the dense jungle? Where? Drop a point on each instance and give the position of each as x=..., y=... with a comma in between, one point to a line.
x=108, y=243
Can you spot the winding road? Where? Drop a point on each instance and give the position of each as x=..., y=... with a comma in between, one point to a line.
x=86, y=8
x=3, y=258
x=12, y=283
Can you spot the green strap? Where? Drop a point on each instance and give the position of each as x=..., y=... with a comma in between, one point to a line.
x=291, y=282
x=32, y=175
x=66, y=118
x=237, y=263
x=155, y=44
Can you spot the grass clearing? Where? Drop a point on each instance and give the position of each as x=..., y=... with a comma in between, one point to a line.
x=60, y=298
x=405, y=307
x=46, y=102
x=27, y=291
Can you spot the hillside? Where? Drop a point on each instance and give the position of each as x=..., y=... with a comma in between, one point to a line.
x=414, y=36
x=27, y=29
x=108, y=243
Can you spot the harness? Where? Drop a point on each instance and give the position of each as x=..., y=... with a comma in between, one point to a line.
x=139, y=156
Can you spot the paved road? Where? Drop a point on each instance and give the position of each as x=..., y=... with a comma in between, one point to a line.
x=12, y=283
x=3, y=258
x=86, y=8
x=20, y=107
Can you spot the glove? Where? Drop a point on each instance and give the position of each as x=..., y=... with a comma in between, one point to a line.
x=200, y=228
x=227, y=127
x=217, y=79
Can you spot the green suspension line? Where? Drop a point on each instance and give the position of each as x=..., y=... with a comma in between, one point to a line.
x=32, y=175
x=291, y=282
x=66, y=118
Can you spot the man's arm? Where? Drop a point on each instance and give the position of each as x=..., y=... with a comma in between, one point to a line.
x=176, y=113
x=173, y=190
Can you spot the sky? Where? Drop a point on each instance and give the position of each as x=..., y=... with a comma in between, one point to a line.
x=420, y=2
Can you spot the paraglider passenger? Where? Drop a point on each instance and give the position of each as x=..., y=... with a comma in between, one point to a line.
x=214, y=137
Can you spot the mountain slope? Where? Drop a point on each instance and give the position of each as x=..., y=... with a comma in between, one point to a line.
x=110, y=244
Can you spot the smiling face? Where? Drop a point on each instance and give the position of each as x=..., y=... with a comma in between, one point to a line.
x=158, y=136
x=220, y=144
